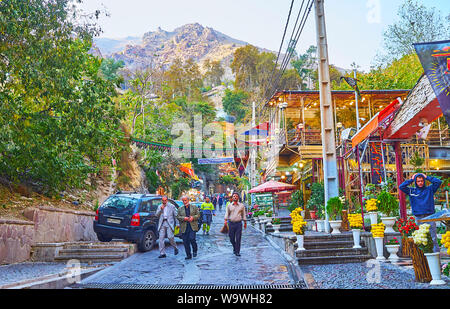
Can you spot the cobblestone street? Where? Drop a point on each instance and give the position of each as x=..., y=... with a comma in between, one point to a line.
x=259, y=263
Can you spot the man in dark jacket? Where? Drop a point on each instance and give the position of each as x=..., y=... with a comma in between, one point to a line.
x=421, y=198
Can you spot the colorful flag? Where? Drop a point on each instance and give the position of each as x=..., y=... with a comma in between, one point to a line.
x=435, y=59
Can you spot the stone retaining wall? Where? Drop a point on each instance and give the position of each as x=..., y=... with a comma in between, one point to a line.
x=46, y=224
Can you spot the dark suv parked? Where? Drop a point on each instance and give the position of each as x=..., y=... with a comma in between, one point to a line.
x=130, y=216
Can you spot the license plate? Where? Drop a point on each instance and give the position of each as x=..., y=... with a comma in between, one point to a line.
x=115, y=221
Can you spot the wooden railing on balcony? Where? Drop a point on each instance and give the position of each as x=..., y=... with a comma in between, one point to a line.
x=305, y=137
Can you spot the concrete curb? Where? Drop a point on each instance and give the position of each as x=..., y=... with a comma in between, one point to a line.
x=55, y=281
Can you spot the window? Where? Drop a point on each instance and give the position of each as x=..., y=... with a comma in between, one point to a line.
x=119, y=203
x=155, y=204
x=145, y=206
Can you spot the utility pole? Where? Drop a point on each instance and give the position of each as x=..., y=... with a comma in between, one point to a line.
x=253, y=150
x=326, y=110
x=358, y=125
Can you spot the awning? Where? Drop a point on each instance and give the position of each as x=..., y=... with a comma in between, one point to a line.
x=272, y=186
x=375, y=123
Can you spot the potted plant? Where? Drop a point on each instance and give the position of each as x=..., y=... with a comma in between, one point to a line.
x=406, y=228
x=298, y=227
x=389, y=206
x=356, y=223
x=276, y=225
x=392, y=247
x=378, y=235
x=334, y=208
x=372, y=207
x=316, y=201
x=422, y=238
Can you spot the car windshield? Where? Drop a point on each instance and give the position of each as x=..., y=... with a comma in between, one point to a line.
x=120, y=202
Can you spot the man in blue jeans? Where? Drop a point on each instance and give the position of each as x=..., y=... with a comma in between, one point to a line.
x=421, y=198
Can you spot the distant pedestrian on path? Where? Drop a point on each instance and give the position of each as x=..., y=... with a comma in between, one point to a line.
x=188, y=216
x=166, y=226
x=421, y=198
x=234, y=215
x=207, y=212
x=220, y=201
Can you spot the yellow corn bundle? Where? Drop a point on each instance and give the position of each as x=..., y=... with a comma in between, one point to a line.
x=378, y=230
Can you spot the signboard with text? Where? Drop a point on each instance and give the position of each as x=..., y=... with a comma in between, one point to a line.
x=376, y=162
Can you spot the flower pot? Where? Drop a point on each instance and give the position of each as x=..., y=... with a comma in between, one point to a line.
x=389, y=222
x=434, y=262
x=312, y=213
x=302, y=213
x=379, y=247
x=392, y=249
x=356, y=238
x=300, y=242
x=335, y=225
x=320, y=225
x=276, y=228
x=373, y=217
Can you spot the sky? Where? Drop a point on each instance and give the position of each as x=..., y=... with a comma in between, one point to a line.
x=354, y=27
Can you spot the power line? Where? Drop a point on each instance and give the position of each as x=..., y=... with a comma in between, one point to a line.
x=292, y=45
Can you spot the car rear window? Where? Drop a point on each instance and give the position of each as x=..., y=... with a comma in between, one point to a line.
x=120, y=202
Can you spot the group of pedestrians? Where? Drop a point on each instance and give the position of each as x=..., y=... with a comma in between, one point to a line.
x=188, y=216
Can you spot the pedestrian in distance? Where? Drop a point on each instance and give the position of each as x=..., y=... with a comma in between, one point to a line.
x=188, y=216
x=421, y=198
x=167, y=213
x=234, y=215
x=220, y=202
x=207, y=212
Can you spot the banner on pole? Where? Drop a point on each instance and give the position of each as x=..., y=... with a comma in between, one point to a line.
x=216, y=160
x=376, y=162
x=435, y=59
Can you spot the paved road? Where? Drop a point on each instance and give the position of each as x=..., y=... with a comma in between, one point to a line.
x=259, y=263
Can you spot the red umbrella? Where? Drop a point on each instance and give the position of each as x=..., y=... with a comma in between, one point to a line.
x=272, y=186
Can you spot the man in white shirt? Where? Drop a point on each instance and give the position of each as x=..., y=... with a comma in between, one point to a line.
x=234, y=215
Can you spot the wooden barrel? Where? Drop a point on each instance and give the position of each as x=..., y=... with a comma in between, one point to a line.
x=420, y=263
x=405, y=249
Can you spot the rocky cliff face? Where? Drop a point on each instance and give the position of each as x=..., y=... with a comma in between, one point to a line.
x=161, y=47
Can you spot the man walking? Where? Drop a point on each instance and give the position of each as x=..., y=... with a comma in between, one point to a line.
x=234, y=215
x=166, y=226
x=188, y=217
x=207, y=212
x=421, y=198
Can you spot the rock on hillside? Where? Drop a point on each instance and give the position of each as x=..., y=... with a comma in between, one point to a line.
x=161, y=47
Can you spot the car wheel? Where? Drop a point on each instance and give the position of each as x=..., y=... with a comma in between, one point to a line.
x=147, y=242
x=103, y=238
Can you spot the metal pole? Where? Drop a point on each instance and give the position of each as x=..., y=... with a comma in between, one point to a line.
x=399, y=167
x=358, y=125
x=253, y=152
x=326, y=110
x=440, y=134
x=361, y=183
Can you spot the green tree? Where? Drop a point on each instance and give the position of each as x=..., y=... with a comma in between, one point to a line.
x=304, y=65
x=214, y=72
x=58, y=120
x=234, y=103
x=109, y=69
x=416, y=23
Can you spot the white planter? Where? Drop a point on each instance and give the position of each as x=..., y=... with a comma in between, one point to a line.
x=373, y=217
x=389, y=223
x=335, y=225
x=276, y=228
x=356, y=238
x=300, y=242
x=392, y=249
x=434, y=262
x=379, y=246
x=320, y=225
x=302, y=213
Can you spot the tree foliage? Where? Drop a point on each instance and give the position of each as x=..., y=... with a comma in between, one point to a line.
x=57, y=116
x=416, y=23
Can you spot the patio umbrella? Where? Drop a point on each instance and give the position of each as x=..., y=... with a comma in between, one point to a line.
x=272, y=186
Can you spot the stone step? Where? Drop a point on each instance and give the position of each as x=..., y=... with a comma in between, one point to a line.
x=97, y=245
x=329, y=237
x=338, y=244
x=100, y=251
x=331, y=252
x=91, y=258
x=333, y=259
